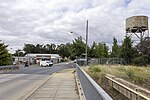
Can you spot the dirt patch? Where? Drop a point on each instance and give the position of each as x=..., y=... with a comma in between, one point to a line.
x=131, y=85
x=114, y=94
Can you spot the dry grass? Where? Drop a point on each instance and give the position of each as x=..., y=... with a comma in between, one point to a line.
x=98, y=74
x=134, y=74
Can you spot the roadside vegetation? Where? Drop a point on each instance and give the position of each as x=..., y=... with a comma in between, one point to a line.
x=5, y=56
x=137, y=75
x=134, y=74
x=132, y=55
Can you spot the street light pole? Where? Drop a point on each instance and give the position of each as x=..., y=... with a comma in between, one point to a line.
x=18, y=57
x=86, y=40
x=86, y=43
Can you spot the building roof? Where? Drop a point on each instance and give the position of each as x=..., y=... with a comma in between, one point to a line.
x=34, y=55
x=16, y=57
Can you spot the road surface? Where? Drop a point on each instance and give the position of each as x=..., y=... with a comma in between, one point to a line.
x=17, y=84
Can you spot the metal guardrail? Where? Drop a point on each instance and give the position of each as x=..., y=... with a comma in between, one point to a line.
x=92, y=91
x=11, y=67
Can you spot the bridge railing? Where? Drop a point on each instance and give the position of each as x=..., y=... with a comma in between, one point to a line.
x=92, y=91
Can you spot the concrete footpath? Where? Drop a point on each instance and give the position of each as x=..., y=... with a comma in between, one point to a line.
x=61, y=86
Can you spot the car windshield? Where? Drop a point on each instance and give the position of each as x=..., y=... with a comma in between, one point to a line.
x=48, y=61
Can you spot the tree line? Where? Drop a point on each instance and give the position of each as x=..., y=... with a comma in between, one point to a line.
x=139, y=55
x=5, y=57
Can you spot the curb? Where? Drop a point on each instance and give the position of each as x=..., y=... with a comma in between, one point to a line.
x=80, y=90
x=36, y=88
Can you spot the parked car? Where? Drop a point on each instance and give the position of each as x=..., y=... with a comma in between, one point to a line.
x=46, y=64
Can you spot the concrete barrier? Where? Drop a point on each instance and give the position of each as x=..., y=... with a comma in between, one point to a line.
x=10, y=67
x=126, y=91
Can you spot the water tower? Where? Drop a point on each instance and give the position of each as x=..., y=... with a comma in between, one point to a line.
x=138, y=26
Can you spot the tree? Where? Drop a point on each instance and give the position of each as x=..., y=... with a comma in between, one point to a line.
x=92, y=51
x=5, y=57
x=127, y=50
x=115, y=49
x=144, y=47
x=105, y=50
x=30, y=48
x=51, y=48
x=77, y=48
x=142, y=54
x=99, y=50
x=18, y=52
x=64, y=50
x=38, y=48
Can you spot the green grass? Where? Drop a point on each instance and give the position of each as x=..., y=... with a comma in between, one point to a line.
x=134, y=74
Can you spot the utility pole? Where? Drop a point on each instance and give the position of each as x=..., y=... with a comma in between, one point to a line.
x=86, y=56
x=18, y=57
x=86, y=40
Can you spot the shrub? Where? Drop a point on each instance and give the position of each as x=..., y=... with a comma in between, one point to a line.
x=141, y=61
x=130, y=74
x=96, y=69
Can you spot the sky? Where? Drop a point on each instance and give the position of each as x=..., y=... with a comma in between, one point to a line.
x=51, y=21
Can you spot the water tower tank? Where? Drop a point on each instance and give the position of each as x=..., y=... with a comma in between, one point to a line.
x=136, y=24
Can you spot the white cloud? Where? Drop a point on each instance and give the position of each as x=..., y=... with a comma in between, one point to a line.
x=50, y=21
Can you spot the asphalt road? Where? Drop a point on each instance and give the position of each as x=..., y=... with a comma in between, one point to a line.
x=17, y=84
